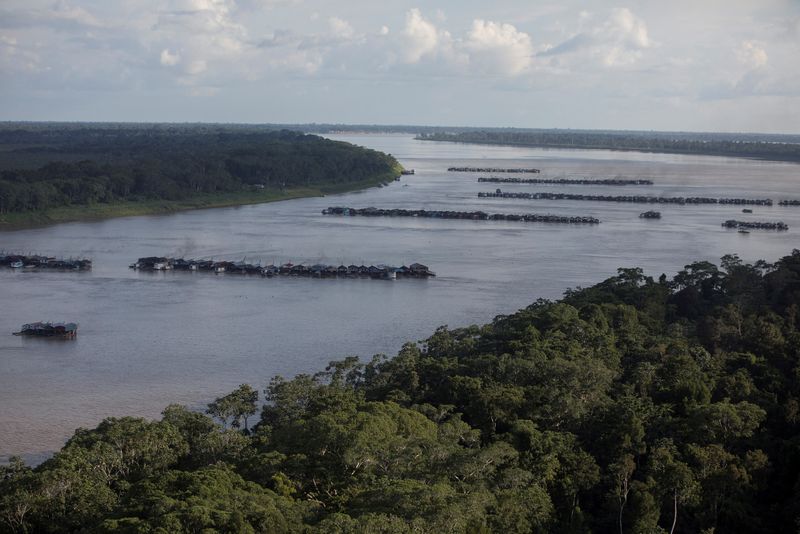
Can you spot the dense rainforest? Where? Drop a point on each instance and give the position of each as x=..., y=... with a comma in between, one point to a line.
x=44, y=166
x=637, y=405
x=747, y=146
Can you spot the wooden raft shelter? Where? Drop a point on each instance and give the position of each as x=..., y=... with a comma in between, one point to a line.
x=41, y=329
x=317, y=270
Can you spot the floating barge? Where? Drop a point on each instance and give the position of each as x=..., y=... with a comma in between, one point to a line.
x=747, y=225
x=57, y=330
x=21, y=261
x=639, y=199
x=468, y=215
x=650, y=215
x=563, y=181
x=493, y=169
x=317, y=270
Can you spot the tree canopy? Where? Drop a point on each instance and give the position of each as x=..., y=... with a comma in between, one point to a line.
x=50, y=167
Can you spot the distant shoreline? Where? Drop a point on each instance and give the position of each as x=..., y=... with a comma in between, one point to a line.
x=103, y=211
x=788, y=158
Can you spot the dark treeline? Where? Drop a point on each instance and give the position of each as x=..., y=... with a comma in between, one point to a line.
x=323, y=128
x=47, y=167
x=636, y=405
x=717, y=145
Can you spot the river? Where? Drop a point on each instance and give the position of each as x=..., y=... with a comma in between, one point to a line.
x=150, y=339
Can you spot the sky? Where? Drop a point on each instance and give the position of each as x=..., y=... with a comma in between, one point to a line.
x=688, y=65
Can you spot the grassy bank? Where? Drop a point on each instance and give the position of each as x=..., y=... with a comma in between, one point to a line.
x=32, y=219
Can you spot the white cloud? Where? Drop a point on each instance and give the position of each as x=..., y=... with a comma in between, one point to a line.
x=498, y=47
x=340, y=28
x=421, y=37
x=207, y=24
x=619, y=40
x=197, y=66
x=630, y=29
x=487, y=48
x=168, y=59
x=752, y=54
x=64, y=11
x=497, y=53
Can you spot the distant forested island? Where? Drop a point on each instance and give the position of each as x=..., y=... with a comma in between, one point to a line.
x=768, y=147
x=54, y=171
x=638, y=405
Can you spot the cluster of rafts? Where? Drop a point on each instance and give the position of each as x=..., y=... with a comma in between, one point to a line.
x=755, y=225
x=468, y=215
x=493, y=169
x=564, y=181
x=317, y=270
x=66, y=330
x=22, y=261
x=641, y=199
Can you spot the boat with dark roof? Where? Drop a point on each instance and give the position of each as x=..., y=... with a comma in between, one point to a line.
x=40, y=329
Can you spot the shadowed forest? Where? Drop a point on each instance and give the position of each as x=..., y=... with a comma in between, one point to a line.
x=46, y=166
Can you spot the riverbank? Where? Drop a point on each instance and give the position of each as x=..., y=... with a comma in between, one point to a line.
x=99, y=211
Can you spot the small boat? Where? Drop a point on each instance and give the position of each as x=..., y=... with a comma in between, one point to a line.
x=746, y=210
x=17, y=265
x=40, y=329
x=742, y=231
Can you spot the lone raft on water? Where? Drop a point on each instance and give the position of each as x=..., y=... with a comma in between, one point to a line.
x=39, y=329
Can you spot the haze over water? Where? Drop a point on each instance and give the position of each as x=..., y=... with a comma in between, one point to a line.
x=150, y=339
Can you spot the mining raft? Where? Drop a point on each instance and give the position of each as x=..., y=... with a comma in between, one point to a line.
x=33, y=261
x=317, y=270
x=54, y=330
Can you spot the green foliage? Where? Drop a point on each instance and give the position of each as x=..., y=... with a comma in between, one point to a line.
x=82, y=167
x=210, y=499
x=235, y=407
x=635, y=406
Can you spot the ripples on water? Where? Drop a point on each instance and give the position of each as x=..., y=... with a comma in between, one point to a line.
x=150, y=339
